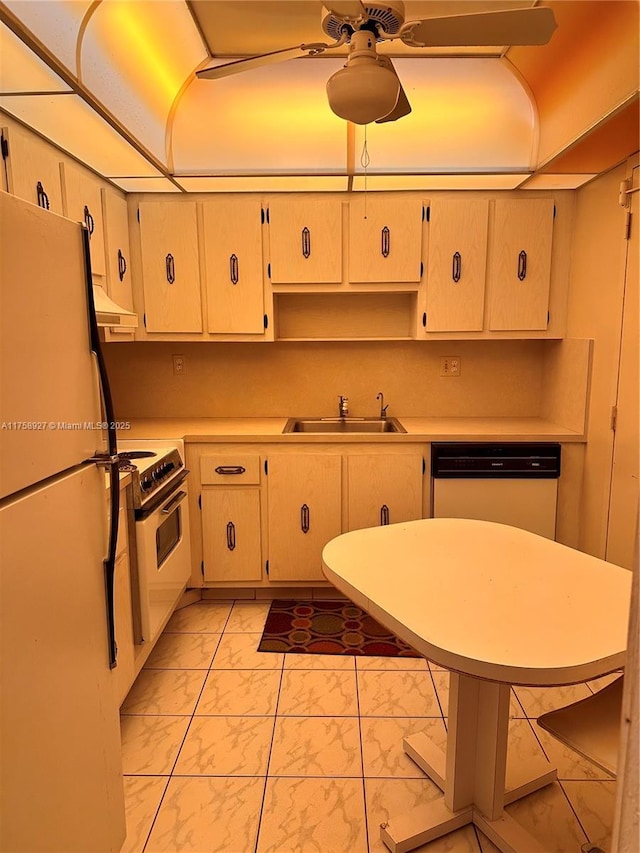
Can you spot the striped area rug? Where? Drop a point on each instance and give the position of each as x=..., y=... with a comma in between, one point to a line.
x=328, y=628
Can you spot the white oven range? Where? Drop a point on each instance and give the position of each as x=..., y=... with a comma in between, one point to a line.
x=159, y=504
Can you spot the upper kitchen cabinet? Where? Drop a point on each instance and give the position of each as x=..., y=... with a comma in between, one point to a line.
x=385, y=239
x=456, y=268
x=232, y=236
x=32, y=168
x=170, y=266
x=519, y=264
x=305, y=236
x=117, y=252
x=82, y=203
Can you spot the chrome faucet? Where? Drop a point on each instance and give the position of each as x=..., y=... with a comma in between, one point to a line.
x=343, y=406
x=383, y=408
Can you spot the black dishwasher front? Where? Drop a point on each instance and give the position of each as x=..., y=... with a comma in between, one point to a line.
x=512, y=483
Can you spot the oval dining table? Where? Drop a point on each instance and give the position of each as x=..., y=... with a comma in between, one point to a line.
x=497, y=606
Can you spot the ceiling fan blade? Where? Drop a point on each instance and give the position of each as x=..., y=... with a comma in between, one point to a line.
x=228, y=68
x=402, y=107
x=515, y=26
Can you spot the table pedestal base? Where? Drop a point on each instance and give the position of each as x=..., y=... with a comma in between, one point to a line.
x=471, y=774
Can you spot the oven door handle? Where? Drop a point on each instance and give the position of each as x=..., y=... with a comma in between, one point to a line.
x=175, y=500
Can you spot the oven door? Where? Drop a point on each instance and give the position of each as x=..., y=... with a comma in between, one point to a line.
x=164, y=559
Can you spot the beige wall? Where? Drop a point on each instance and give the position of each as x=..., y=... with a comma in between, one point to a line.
x=595, y=311
x=498, y=378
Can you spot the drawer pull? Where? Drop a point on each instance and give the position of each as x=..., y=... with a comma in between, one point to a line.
x=231, y=535
x=522, y=265
x=457, y=267
x=88, y=218
x=304, y=518
x=122, y=265
x=43, y=198
x=233, y=269
x=170, y=265
x=306, y=242
x=230, y=469
x=384, y=514
x=385, y=247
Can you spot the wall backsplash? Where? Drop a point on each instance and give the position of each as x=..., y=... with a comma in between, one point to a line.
x=498, y=378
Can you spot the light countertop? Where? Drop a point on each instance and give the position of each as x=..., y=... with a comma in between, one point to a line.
x=244, y=430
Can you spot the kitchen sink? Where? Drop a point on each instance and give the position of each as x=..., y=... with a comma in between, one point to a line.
x=342, y=426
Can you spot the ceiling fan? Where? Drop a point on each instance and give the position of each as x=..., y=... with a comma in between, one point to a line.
x=367, y=88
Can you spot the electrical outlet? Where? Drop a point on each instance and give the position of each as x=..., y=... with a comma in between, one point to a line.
x=450, y=365
x=179, y=367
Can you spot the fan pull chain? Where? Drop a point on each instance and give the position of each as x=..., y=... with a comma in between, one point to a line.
x=364, y=162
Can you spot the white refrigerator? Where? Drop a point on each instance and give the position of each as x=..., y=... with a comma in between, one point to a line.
x=60, y=769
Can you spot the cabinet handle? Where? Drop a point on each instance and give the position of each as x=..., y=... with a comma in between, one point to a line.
x=171, y=268
x=306, y=242
x=522, y=265
x=456, y=272
x=231, y=535
x=304, y=518
x=88, y=219
x=122, y=265
x=384, y=514
x=43, y=198
x=385, y=247
x=230, y=469
x=233, y=269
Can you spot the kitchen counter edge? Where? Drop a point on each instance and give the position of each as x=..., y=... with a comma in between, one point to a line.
x=246, y=430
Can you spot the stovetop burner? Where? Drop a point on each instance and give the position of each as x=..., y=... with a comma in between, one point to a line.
x=136, y=454
x=126, y=466
x=152, y=470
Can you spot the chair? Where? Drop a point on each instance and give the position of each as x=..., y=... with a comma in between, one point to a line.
x=590, y=726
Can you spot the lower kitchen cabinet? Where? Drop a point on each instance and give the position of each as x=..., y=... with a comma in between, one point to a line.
x=231, y=534
x=383, y=488
x=305, y=512
x=231, y=517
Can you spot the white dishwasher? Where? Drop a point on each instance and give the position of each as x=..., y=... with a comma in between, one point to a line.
x=513, y=483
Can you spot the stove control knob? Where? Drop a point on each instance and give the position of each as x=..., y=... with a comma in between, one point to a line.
x=146, y=483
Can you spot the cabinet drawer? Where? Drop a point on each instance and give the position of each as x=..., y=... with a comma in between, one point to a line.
x=229, y=470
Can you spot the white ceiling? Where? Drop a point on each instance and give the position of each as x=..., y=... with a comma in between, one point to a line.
x=113, y=83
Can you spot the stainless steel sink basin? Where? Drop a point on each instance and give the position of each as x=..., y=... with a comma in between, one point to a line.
x=342, y=426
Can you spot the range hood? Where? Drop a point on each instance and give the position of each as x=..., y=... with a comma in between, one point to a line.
x=108, y=313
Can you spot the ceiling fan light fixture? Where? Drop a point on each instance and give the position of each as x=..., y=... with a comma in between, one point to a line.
x=363, y=93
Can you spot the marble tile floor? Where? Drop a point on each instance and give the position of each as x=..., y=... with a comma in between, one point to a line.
x=230, y=750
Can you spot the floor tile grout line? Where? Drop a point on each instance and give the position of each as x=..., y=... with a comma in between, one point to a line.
x=175, y=762
x=266, y=776
x=364, y=786
x=568, y=799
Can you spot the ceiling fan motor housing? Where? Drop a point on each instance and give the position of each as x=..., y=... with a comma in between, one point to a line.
x=389, y=15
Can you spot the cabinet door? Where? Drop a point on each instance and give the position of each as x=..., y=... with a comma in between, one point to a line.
x=233, y=266
x=170, y=266
x=116, y=222
x=231, y=534
x=33, y=170
x=304, y=513
x=305, y=238
x=520, y=264
x=384, y=488
x=385, y=239
x=83, y=203
x=456, y=269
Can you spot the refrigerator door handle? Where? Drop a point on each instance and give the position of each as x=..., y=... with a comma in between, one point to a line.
x=109, y=459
